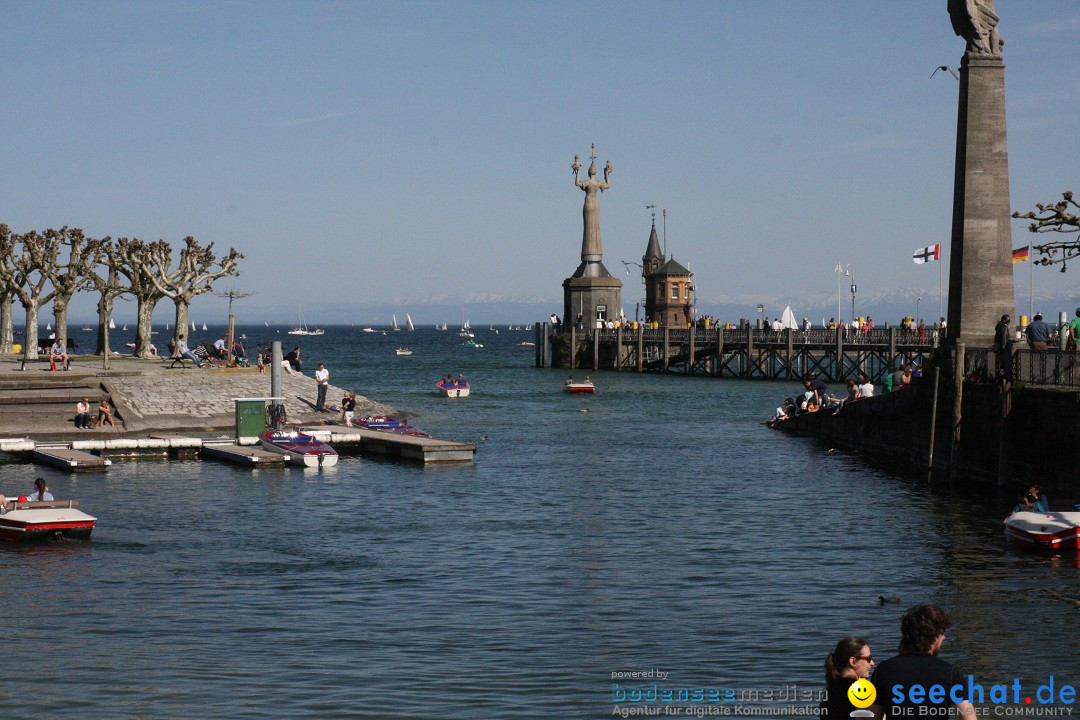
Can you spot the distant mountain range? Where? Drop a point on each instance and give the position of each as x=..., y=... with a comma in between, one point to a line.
x=889, y=307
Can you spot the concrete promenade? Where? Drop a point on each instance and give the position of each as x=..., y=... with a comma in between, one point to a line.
x=147, y=396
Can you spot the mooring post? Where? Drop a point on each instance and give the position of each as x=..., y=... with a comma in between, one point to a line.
x=718, y=365
x=573, y=346
x=667, y=338
x=618, y=347
x=690, y=365
x=640, y=347
x=790, y=351
x=595, y=348
x=892, y=347
x=957, y=418
x=839, y=354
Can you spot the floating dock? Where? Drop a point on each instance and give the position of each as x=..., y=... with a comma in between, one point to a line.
x=243, y=454
x=93, y=454
x=69, y=459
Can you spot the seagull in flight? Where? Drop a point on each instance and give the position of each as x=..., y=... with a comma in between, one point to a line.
x=945, y=67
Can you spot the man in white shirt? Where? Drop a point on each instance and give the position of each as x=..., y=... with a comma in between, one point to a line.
x=219, y=346
x=322, y=377
x=59, y=353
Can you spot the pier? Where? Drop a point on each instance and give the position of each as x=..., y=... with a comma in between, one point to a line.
x=832, y=355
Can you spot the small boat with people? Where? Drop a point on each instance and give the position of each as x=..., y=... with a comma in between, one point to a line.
x=453, y=388
x=1051, y=530
x=388, y=424
x=403, y=351
x=579, y=387
x=472, y=344
x=526, y=343
x=300, y=449
x=21, y=519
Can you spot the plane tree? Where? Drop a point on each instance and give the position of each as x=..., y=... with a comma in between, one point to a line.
x=133, y=259
x=1055, y=218
x=35, y=262
x=83, y=253
x=9, y=280
x=196, y=271
x=109, y=285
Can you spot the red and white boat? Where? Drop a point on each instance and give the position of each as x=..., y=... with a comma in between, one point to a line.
x=1051, y=530
x=300, y=449
x=453, y=389
x=575, y=387
x=40, y=520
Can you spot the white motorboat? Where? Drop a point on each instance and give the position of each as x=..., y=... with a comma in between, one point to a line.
x=1052, y=530
x=300, y=449
x=453, y=389
x=575, y=387
x=403, y=351
x=41, y=520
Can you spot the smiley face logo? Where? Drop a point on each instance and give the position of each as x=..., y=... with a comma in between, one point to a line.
x=862, y=693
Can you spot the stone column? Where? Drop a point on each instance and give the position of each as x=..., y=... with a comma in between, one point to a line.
x=980, y=274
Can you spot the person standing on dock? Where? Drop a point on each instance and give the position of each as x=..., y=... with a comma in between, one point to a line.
x=322, y=377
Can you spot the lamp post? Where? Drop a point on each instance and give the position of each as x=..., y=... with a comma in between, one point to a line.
x=851, y=272
x=839, y=271
x=917, y=301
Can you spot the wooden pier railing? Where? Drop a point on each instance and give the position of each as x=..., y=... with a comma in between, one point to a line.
x=832, y=355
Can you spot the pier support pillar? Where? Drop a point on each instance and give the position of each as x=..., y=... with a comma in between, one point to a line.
x=640, y=348
x=667, y=347
x=595, y=349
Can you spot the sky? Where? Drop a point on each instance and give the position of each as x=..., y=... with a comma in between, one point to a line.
x=419, y=152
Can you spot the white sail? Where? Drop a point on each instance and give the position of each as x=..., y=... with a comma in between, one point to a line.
x=112, y=325
x=125, y=326
x=408, y=322
x=48, y=326
x=204, y=326
x=394, y=322
x=193, y=326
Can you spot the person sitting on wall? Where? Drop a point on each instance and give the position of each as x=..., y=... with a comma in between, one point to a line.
x=59, y=355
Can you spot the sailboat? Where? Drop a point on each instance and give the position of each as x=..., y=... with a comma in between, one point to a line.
x=204, y=326
x=48, y=326
x=466, y=331
x=112, y=325
x=394, y=324
x=302, y=328
x=192, y=326
x=443, y=326
x=408, y=322
x=125, y=326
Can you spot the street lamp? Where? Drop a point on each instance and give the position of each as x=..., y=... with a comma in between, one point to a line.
x=851, y=272
x=839, y=270
x=917, y=301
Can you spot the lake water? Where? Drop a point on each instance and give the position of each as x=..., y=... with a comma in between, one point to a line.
x=655, y=525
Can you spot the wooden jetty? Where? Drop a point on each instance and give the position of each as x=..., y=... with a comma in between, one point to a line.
x=69, y=459
x=832, y=355
x=243, y=454
x=94, y=454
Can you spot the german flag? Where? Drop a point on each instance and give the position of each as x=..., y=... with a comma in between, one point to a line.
x=1021, y=254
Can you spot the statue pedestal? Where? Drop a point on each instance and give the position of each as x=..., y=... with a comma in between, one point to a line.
x=981, y=271
x=591, y=296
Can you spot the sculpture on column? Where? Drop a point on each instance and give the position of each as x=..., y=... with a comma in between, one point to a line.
x=976, y=22
x=592, y=248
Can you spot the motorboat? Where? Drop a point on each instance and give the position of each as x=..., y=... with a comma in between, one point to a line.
x=453, y=389
x=368, y=330
x=388, y=424
x=299, y=448
x=1054, y=530
x=472, y=344
x=22, y=520
x=576, y=387
x=526, y=343
x=403, y=351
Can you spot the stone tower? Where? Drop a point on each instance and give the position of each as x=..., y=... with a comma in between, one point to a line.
x=669, y=288
x=591, y=293
x=981, y=272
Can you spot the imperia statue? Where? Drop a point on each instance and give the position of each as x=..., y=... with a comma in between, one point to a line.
x=976, y=22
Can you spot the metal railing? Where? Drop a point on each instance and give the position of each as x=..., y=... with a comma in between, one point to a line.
x=1059, y=368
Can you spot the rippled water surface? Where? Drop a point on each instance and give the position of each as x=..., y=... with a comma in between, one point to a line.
x=656, y=525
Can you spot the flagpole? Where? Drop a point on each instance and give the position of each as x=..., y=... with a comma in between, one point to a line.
x=940, y=312
x=1030, y=289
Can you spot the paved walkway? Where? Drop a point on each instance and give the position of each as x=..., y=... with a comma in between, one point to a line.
x=148, y=396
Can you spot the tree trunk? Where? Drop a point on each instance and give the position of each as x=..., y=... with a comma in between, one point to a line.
x=60, y=313
x=104, y=310
x=142, y=335
x=30, y=336
x=7, y=324
x=183, y=314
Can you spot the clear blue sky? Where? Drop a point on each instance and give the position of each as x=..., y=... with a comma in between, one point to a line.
x=403, y=150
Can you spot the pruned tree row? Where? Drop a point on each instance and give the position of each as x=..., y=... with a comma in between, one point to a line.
x=38, y=268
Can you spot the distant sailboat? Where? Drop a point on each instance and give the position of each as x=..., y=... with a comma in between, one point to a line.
x=112, y=325
x=302, y=328
x=192, y=326
x=408, y=322
x=394, y=322
x=204, y=326
x=48, y=326
x=125, y=326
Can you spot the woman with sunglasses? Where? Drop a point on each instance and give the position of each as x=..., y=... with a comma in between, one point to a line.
x=848, y=662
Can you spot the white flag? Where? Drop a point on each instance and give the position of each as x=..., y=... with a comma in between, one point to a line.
x=927, y=254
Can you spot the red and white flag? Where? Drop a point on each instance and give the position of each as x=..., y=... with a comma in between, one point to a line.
x=927, y=254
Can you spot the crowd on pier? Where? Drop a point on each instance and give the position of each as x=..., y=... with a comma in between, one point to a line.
x=817, y=396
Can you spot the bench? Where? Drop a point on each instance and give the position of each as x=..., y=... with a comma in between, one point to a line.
x=40, y=358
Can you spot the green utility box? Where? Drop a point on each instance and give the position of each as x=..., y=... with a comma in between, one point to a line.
x=250, y=417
